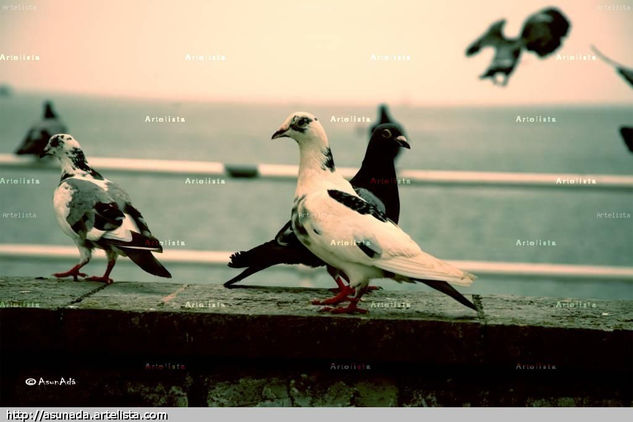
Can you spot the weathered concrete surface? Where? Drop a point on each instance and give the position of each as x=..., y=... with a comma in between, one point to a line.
x=270, y=347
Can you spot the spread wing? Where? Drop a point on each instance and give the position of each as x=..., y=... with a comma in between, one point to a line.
x=493, y=37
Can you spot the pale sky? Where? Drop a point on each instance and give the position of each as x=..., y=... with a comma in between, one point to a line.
x=308, y=51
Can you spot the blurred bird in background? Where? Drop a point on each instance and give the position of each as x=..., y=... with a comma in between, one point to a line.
x=542, y=34
x=38, y=135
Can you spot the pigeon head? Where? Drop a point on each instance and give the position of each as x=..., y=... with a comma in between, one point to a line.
x=70, y=155
x=301, y=127
x=49, y=113
x=388, y=138
x=61, y=145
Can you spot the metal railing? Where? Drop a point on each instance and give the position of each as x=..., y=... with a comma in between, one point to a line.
x=220, y=259
x=289, y=172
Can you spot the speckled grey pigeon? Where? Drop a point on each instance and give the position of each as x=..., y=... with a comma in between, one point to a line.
x=97, y=213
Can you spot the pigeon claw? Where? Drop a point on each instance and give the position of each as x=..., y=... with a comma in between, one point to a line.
x=342, y=296
x=73, y=272
x=103, y=279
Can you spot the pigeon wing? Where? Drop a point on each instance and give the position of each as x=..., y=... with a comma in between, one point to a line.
x=493, y=37
x=359, y=233
x=87, y=209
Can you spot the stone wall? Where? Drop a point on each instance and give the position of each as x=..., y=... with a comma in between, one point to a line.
x=180, y=344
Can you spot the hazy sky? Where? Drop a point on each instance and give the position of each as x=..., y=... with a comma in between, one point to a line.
x=306, y=50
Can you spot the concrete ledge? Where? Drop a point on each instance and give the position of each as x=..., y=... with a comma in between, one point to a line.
x=256, y=346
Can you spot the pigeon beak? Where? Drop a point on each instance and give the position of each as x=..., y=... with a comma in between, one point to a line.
x=402, y=141
x=281, y=133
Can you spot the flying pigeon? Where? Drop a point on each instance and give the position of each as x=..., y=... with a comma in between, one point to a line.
x=38, y=135
x=375, y=181
x=542, y=34
x=97, y=213
x=349, y=233
x=627, y=74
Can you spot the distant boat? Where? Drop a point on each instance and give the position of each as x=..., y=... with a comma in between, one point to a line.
x=38, y=135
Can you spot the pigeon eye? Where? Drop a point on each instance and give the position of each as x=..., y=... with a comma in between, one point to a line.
x=303, y=121
x=386, y=134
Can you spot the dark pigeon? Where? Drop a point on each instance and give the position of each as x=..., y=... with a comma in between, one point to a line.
x=542, y=34
x=38, y=135
x=375, y=182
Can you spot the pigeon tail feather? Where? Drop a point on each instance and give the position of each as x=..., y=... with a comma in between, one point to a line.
x=425, y=266
x=146, y=261
x=449, y=290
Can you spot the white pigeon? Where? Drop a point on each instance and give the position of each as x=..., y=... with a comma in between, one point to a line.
x=97, y=213
x=347, y=232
